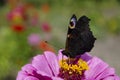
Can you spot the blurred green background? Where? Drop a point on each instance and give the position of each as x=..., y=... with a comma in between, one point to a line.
x=15, y=50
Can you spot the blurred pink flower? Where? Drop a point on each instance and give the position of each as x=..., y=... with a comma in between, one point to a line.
x=46, y=67
x=33, y=39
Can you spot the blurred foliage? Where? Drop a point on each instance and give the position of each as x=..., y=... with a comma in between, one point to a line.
x=14, y=48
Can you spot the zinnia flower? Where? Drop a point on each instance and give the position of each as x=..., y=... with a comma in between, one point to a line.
x=48, y=66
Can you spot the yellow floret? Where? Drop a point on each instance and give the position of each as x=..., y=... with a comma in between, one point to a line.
x=79, y=67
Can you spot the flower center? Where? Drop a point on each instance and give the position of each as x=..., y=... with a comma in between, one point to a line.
x=72, y=69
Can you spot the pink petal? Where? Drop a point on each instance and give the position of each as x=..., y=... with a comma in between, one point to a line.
x=60, y=55
x=52, y=62
x=113, y=77
x=29, y=69
x=96, y=66
x=117, y=77
x=40, y=63
x=31, y=78
x=86, y=56
x=107, y=72
x=26, y=70
x=35, y=78
x=110, y=78
x=43, y=73
x=21, y=75
x=56, y=78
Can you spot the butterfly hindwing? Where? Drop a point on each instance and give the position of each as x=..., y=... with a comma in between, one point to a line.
x=79, y=37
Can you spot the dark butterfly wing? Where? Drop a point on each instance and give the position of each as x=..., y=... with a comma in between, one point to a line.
x=70, y=37
x=79, y=39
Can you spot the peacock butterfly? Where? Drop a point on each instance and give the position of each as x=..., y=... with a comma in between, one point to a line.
x=80, y=38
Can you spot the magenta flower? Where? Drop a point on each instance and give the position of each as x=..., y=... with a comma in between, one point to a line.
x=46, y=27
x=33, y=39
x=47, y=67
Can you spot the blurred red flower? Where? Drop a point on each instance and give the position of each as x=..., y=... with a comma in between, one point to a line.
x=18, y=28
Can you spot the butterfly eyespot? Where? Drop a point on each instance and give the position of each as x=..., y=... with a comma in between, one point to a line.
x=68, y=35
x=72, y=24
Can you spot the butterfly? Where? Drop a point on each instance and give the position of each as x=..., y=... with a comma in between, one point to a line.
x=80, y=38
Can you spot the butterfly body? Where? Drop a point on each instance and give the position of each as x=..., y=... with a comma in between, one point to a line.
x=79, y=37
